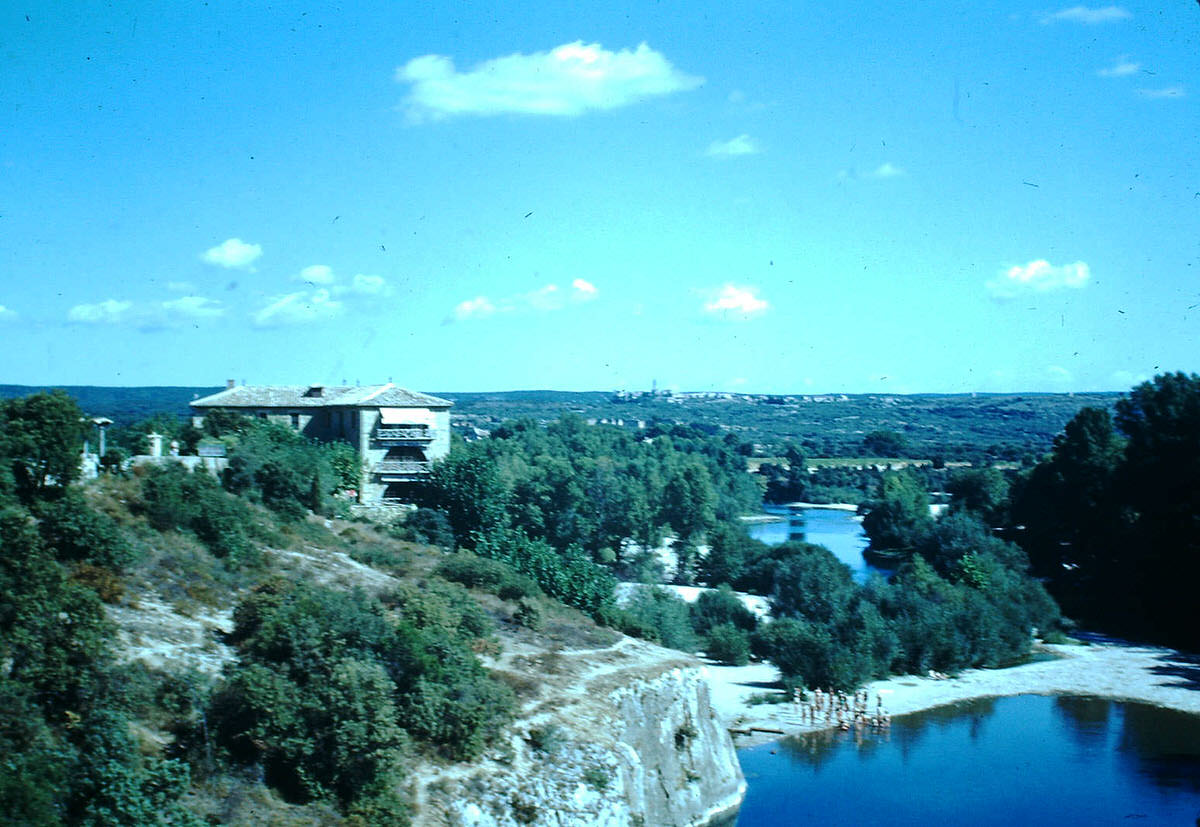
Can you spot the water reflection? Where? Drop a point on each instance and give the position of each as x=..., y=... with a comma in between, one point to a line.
x=1163, y=745
x=1022, y=760
x=839, y=531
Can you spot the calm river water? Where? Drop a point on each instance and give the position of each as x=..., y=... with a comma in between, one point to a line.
x=1028, y=760
x=839, y=531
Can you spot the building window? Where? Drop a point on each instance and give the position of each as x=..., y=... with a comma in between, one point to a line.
x=296, y=421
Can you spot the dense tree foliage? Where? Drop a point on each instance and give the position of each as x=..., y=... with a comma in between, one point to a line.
x=70, y=755
x=597, y=488
x=330, y=690
x=900, y=517
x=286, y=471
x=975, y=607
x=41, y=438
x=1112, y=516
x=884, y=443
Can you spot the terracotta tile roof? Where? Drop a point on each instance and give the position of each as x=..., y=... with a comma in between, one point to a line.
x=302, y=396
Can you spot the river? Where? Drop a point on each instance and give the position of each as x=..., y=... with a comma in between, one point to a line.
x=1028, y=760
x=839, y=531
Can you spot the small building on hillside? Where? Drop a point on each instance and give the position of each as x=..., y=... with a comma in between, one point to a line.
x=398, y=433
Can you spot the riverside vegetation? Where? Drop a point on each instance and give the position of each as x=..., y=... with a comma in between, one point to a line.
x=334, y=694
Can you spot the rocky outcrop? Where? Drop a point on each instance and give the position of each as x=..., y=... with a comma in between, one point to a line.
x=629, y=740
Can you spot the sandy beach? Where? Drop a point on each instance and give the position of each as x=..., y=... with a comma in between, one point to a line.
x=1119, y=671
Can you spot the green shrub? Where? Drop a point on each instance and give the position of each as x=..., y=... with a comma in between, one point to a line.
x=528, y=615
x=75, y=532
x=568, y=576
x=720, y=607
x=427, y=526
x=328, y=690
x=173, y=498
x=728, y=644
x=666, y=614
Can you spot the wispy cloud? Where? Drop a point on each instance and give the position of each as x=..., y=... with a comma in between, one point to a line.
x=181, y=287
x=1124, y=67
x=193, y=307
x=1038, y=276
x=361, y=284
x=1164, y=93
x=1087, y=15
x=1058, y=375
x=545, y=299
x=734, y=302
x=365, y=285
x=479, y=307
x=233, y=253
x=147, y=316
x=109, y=311
x=741, y=145
x=568, y=80
x=884, y=171
x=7, y=314
x=301, y=307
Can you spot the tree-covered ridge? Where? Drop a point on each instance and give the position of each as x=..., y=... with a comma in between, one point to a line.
x=332, y=695
x=972, y=427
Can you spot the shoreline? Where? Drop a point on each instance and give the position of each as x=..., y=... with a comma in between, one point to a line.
x=1116, y=671
x=830, y=506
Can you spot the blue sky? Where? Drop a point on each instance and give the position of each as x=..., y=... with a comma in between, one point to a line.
x=768, y=197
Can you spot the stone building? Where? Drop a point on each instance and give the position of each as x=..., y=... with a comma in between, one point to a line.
x=398, y=433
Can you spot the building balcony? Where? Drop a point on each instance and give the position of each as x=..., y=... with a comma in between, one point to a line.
x=401, y=467
x=386, y=433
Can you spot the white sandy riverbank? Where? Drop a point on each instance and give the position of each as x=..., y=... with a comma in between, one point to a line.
x=1124, y=672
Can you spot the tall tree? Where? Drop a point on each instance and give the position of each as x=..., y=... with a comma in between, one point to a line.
x=900, y=518
x=1160, y=480
x=41, y=438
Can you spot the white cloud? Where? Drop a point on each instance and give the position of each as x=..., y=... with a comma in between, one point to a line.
x=568, y=80
x=543, y=300
x=1168, y=92
x=1127, y=379
x=1038, y=276
x=1058, y=375
x=194, y=307
x=1088, y=15
x=6, y=314
x=233, y=253
x=584, y=290
x=477, y=308
x=109, y=311
x=735, y=302
x=886, y=170
x=317, y=274
x=365, y=285
x=301, y=307
x=1122, y=68
x=741, y=145
x=181, y=287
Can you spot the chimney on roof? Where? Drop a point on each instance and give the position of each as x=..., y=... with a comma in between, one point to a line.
x=229, y=383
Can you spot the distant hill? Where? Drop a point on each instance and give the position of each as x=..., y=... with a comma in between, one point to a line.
x=1006, y=426
x=123, y=406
